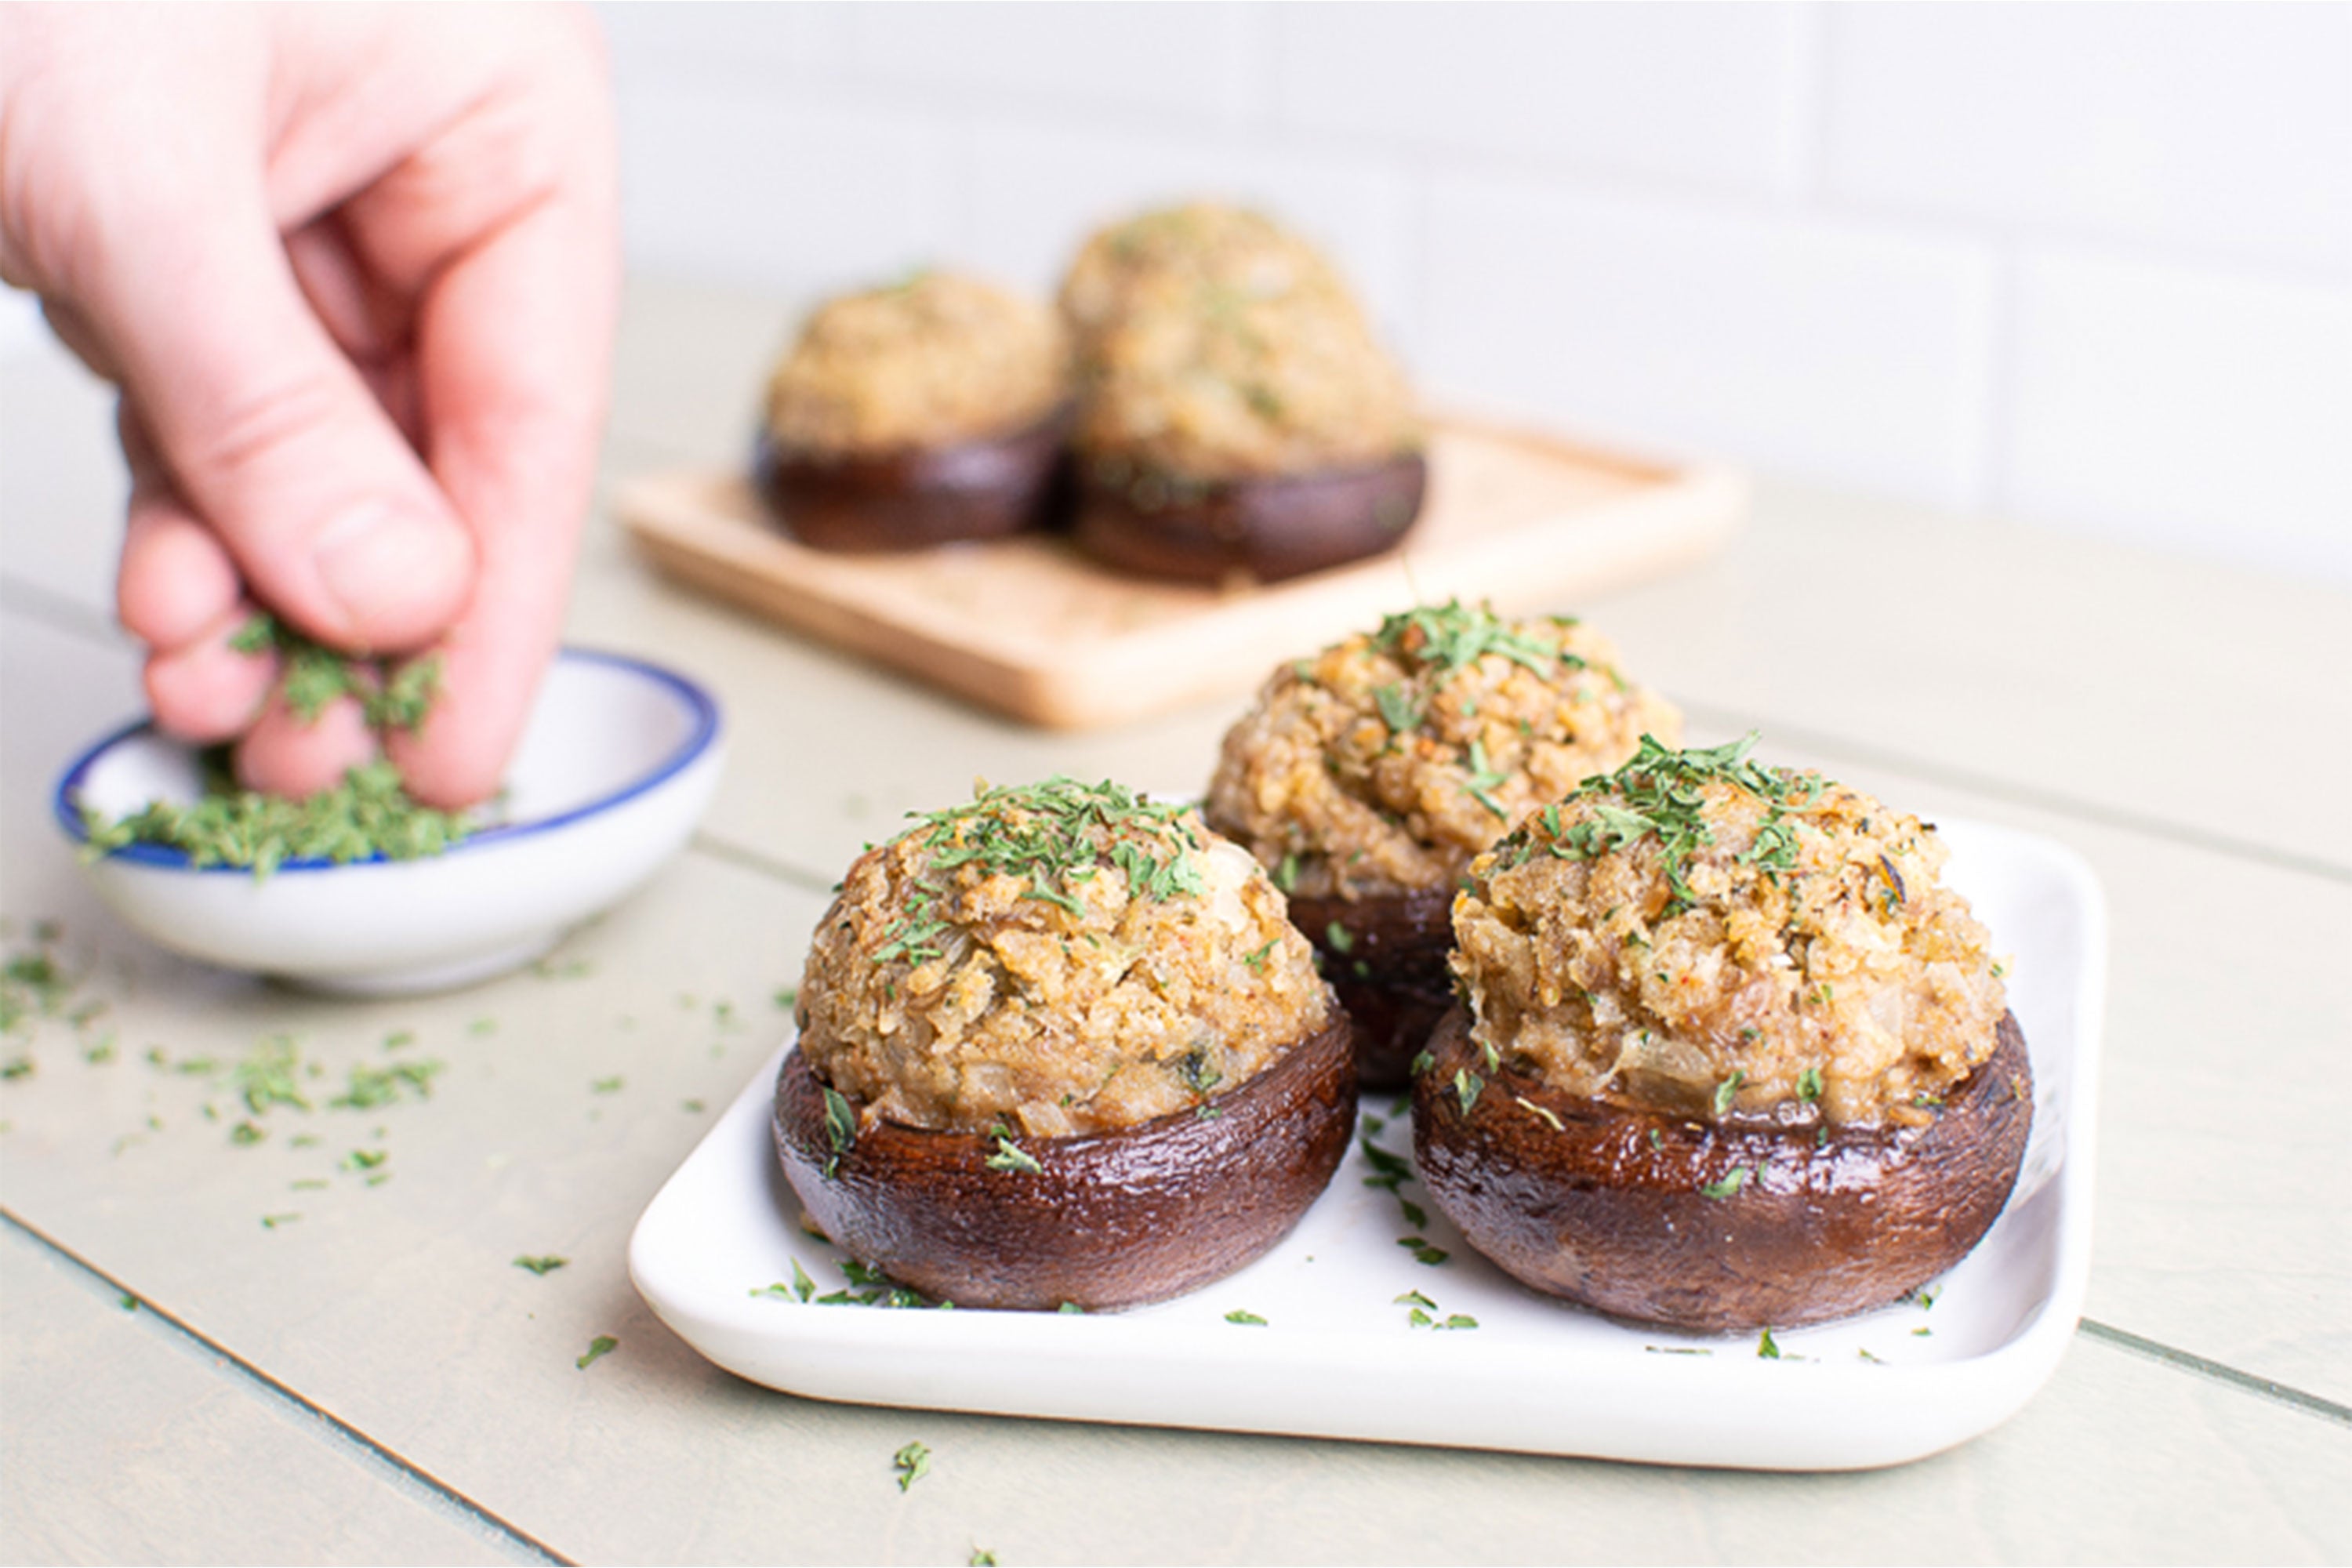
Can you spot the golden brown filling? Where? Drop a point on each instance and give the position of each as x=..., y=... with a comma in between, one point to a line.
x=1061, y=958
x=1704, y=936
x=933, y=360
x=1213, y=344
x=1384, y=764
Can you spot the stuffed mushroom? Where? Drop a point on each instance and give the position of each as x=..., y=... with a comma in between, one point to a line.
x=1730, y=1055
x=928, y=411
x=1365, y=777
x=1237, y=417
x=1059, y=1044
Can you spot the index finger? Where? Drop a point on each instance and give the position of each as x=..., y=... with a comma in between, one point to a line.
x=513, y=346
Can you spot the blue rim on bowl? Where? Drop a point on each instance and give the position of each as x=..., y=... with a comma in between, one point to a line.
x=700, y=703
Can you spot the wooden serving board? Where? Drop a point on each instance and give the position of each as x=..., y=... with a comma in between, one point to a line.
x=1030, y=628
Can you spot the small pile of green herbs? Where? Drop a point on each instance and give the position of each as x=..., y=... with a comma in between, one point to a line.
x=1452, y=636
x=1662, y=792
x=394, y=697
x=1058, y=834
x=369, y=815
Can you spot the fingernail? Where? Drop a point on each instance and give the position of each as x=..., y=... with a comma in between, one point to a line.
x=386, y=567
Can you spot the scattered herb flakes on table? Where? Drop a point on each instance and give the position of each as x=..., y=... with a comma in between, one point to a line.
x=911, y=1463
x=600, y=1347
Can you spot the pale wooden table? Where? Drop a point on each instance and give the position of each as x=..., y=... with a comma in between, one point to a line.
x=374, y=1381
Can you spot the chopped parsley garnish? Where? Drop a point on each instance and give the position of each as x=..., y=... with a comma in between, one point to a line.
x=1423, y=1252
x=313, y=676
x=606, y=1086
x=1451, y=636
x=1199, y=1073
x=1809, y=1085
x=1661, y=794
x=1011, y=1156
x=1728, y=1091
x=1766, y=1349
x=266, y=1075
x=869, y=1287
x=1391, y=1170
x=1257, y=961
x=1467, y=1085
x=1398, y=709
x=366, y=1087
x=1484, y=777
x=1733, y=1180
x=840, y=1129
x=1238, y=1316
x=912, y=1463
x=598, y=1349
x=1285, y=876
x=369, y=815
x=1059, y=835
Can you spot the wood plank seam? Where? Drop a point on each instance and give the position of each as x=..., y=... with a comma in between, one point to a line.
x=526, y=1547
x=2185, y=1360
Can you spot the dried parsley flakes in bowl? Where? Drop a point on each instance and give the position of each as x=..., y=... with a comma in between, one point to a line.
x=362, y=890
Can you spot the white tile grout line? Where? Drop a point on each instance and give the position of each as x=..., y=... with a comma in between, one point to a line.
x=66, y=615
x=426, y=1488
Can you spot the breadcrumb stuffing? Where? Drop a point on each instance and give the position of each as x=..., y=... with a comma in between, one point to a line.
x=1382, y=764
x=1705, y=936
x=1061, y=958
x=1214, y=344
x=933, y=360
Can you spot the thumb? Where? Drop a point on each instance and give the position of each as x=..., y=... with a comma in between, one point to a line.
x=270, y=434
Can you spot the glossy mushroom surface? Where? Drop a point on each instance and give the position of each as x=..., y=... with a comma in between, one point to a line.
x=1268, y=527
x=1714, y=1227
x=1107, y=1220
x=1390, y=975
x=914, y=497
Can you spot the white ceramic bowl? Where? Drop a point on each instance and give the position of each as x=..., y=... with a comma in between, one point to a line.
x=615, y=769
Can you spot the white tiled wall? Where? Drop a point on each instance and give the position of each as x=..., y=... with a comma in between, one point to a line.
x=2090, y=266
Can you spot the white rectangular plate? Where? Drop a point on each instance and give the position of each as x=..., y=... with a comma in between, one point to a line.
x=1338, y=1356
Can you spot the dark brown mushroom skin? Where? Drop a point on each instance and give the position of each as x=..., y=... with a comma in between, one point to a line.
x=1272, y=528
x=1391, y=975
x=1110, y=1219
x=917, y=496
x=1607, y=1208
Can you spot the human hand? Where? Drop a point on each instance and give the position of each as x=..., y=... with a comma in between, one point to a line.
x=355, y=272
